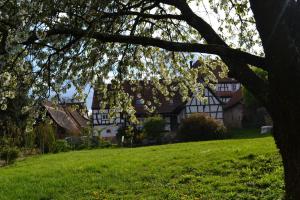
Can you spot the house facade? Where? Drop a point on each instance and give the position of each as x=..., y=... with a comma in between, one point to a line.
x=224, y=103
x=173, y=111
x=234, y=110
x=226, y=88
x=230, y=92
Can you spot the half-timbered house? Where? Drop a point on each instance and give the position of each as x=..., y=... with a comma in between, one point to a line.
x=234, y=110
x=173, y=111
x=225, y=87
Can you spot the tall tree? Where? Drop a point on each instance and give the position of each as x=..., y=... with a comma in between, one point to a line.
x=85, y=41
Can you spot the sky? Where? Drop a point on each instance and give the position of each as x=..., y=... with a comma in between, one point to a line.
x=87, y=90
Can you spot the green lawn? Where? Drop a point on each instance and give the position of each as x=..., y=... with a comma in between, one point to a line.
x=247, y=167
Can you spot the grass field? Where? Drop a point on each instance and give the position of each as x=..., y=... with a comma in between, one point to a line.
x=247, y=167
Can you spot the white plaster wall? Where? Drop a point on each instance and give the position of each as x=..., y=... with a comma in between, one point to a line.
x=102, y=130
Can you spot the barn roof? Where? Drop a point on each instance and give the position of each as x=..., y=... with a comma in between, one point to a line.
x=66, y=116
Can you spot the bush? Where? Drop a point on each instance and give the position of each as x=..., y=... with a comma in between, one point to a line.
x=73, y=141
x=128, y=133
x=131, y=135
x=9, y=154
x=61, y=146
x=104, y=143
x=154, y=127
x=94, y=142
x=45, y=134
x=82, y=142
x=200, y=126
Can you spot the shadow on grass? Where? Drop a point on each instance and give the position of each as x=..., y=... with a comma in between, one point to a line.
x=247, y=134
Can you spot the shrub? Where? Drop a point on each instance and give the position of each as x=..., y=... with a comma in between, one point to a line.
x=73, y=141
x=61, y=146
x=131, y=135
x=82, y=142
x=9, y=154
x=154, y=127
x=200, y=126
x=127, y=132
x=105, y=143
x=94, y=142
x=29, y=139
x=45, y=134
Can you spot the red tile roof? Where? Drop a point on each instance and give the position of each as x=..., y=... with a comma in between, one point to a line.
x=224, y=93
x=236, y=98
x=216, y=73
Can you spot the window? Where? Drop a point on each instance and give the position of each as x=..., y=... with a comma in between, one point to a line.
x=104, y=116
x=219, y=88
x=233, y=87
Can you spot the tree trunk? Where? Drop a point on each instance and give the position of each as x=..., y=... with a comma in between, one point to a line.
x=287, y=137
x=279, y=31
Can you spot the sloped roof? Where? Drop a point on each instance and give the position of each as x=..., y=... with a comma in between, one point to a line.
x=145, y=92
x=236, y=98
x=216, y=73
x=224, y=93
x=66, y=117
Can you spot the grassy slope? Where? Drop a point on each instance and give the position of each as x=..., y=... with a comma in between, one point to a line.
x=228, y=169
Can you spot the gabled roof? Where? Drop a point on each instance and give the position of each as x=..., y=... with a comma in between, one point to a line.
x=66, y=117
x=224, y=93
x=216, y=73
x=236, y=98
x=145, y=92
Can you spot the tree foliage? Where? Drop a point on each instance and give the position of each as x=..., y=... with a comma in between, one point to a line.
x=55, y=44
x=63, y=43
x=200, y=126
x=249, y=99
x=153, y=127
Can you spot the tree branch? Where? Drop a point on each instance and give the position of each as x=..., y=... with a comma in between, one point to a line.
x=3, y=40
x=143, y=15
x=237, y=68
x=167, y=45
